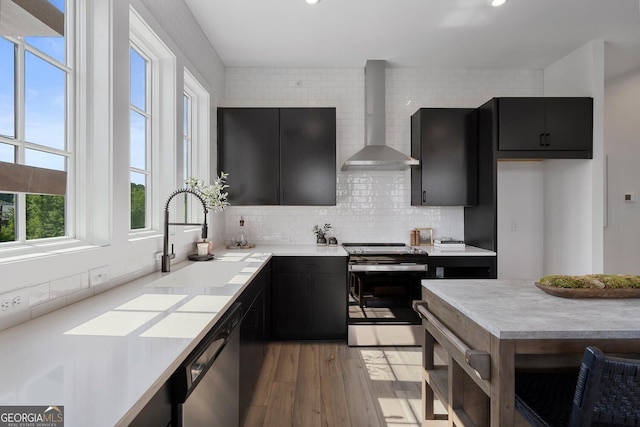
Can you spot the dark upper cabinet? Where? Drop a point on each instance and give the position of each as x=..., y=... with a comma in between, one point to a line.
x=545, y=127
x=248, y=150
x=517, y=128
x=445, y=142
x=308, y=156
x=278, y=156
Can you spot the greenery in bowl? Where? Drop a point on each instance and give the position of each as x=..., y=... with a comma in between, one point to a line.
x=320, y=232
x=593, y=281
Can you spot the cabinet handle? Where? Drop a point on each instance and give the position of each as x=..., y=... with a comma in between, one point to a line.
x=424, y=197
x=542, y=140
x=478, y=360
x=548, y=139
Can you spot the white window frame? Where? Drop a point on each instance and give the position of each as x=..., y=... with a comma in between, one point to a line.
x=199, y=135
x=149, y=116
x=162, y=126
x=21, y=243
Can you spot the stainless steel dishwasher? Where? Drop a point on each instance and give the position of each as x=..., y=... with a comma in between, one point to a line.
x=206, y=386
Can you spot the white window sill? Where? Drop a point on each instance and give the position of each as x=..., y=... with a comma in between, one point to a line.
x=153, y=234
x=29, y=251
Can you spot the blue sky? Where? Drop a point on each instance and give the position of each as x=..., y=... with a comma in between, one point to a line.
x=137, y=88
x=45, y=92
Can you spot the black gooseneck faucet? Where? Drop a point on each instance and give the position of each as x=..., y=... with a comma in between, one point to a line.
x=166, y=256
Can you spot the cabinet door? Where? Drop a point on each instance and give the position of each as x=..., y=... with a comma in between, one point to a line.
x=462, y=267
x=307, y=156
x=290, y=306
x=521, y=123
x=329, y=306
x=447, y=147
x=252, y=349
x=569, y=123
x=248, y=150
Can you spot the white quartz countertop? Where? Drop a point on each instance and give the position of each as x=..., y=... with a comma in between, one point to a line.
x=103, y=358
x=292, y=250
x=517, y=309
x=315, y=250
x=467, y=251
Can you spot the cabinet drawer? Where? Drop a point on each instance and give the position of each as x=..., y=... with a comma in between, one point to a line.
x=311, y=264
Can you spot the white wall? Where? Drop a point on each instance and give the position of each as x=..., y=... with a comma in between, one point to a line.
x=622, y=147
x=573, y=189
x=53, y=278
x=520, y=219
x=371, y=206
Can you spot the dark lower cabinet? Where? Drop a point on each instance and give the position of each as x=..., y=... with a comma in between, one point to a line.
x=158, y=411
x=253, y=337
x=309, y=298
x=462, y=267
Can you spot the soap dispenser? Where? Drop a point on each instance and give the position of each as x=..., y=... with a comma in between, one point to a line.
x=241, y=239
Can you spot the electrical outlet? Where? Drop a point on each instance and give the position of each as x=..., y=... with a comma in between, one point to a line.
x=13, y=301
x=99, y=275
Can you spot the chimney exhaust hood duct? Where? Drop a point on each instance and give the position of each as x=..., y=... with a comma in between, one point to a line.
x=376, y=155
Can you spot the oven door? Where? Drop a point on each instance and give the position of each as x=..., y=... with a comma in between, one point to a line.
x=385, y=285
x=380, y=304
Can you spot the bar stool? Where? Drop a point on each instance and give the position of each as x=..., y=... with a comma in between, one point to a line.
x=604, y=392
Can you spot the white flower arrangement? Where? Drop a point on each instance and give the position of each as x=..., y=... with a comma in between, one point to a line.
x=213, y=195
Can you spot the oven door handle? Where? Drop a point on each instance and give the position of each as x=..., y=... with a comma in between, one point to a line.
x=388, y=267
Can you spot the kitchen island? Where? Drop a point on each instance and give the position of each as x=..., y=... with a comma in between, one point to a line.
x=479, y=332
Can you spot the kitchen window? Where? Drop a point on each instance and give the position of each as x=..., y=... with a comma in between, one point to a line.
x=195, y=141
x=152, y=125
x=139, y=137
x=187, y=149
x=36, y=94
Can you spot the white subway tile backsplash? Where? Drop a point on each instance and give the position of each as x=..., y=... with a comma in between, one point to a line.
x=371, y=206
x=47, y=307
x=66, y=285
x=39, y=294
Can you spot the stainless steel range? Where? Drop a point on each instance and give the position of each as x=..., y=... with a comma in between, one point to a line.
x=384, y=279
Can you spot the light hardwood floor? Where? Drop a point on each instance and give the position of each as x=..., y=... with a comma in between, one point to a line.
x=330, y=384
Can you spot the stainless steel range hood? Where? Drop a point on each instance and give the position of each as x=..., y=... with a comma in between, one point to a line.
x=376, y=155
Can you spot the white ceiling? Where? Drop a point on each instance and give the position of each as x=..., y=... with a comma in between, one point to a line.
x=419, y=33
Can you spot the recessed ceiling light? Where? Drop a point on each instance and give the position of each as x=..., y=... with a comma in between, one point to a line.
x=312, y=1
x=496, y=3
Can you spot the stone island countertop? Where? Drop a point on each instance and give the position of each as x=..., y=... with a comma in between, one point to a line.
x=517, y=309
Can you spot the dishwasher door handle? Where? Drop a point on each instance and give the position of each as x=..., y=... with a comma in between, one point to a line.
x=206, y=353
x=206, y=358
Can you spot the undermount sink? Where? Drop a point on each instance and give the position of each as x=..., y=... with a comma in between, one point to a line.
x=203, y=275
